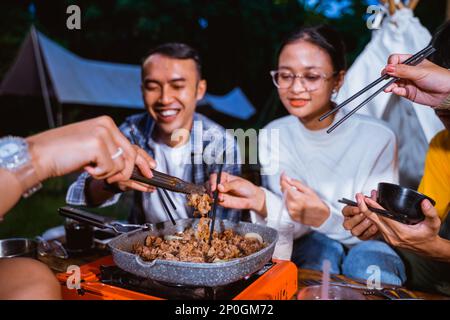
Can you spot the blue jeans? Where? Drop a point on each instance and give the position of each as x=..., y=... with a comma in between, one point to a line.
x=310, y=251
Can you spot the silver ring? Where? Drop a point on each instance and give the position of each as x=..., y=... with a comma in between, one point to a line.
x=117, y=154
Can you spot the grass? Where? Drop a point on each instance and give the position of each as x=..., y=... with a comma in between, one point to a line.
x=33, y=216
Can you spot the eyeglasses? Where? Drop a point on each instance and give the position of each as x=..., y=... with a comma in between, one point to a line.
x=310, y=80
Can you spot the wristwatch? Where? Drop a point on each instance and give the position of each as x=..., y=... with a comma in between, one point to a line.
x=15, y=157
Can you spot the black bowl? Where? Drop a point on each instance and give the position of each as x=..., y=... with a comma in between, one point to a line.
x=403, y=204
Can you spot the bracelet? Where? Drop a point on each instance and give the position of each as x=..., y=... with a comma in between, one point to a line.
x=28, y=179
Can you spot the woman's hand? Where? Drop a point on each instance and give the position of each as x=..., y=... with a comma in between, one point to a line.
x=238, y=193
x=418, y=237
x=303, y=204
x=426, y=83
x=358, y=224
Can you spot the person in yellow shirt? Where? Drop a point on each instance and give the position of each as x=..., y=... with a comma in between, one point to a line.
x=424, y=273
x=424, y=247
x=436, y=179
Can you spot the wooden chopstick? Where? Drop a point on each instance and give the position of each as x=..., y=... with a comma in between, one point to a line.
x=413, y=4
x=166, y=208
x=216, y=200
x=371, y=85
x=170, y=199
x=414, y=60
x=392, y=7
x=354, y=204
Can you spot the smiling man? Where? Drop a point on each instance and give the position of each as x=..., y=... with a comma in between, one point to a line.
x=171, y=132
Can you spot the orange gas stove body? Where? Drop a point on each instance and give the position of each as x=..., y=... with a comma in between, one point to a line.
x=278, y=283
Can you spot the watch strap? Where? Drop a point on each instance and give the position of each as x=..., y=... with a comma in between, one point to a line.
x=28, y=179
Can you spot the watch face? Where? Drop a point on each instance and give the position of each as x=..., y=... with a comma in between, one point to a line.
x=8, y=149
x=13, y=152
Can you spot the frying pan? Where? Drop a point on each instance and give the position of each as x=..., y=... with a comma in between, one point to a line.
x=180, y=272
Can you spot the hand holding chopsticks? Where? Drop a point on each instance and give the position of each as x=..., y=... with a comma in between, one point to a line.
x=427, y=84
x=413, y=60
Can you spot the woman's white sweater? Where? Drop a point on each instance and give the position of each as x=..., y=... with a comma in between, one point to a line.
x=353, y=158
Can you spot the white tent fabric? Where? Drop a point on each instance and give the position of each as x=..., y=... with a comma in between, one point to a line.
x=75, y=80
x=82, y=81
x=399, y=33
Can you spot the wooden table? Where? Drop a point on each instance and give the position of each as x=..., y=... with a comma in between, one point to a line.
x=305, y=275
x=61, y=265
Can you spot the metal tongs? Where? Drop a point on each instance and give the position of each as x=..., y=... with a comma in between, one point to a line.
x=99, y=221
x=165, y=181
x=412, y=61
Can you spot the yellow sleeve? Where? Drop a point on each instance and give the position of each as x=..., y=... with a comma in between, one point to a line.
x=436, y=179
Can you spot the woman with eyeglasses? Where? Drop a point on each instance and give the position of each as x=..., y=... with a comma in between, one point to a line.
x=313, y=169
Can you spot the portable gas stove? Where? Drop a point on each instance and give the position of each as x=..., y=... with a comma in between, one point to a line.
x=103, y=280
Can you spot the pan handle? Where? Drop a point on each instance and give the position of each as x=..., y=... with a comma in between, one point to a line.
x=145, y=264
x=86, y=217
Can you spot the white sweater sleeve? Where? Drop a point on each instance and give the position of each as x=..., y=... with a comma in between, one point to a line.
x=333, y=226
x=271, y=160
x=385, y=166
x=274, y=204
x=270, y=169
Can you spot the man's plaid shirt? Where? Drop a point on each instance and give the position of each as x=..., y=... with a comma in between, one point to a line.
x=203, y=127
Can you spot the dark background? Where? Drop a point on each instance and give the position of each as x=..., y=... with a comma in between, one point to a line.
x=237, y=39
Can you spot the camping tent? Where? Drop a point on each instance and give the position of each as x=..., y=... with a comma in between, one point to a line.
x=44, y=67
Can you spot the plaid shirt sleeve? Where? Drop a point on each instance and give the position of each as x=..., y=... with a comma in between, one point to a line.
x=76, y=193
x=76, y=196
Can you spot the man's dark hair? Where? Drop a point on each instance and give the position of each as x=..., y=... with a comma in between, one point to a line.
x=177, y=50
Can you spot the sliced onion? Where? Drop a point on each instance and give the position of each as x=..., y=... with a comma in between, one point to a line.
x=172, y=237
x=254, y=235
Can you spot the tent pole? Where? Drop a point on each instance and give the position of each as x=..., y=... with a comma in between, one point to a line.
x=42, y=80
x=448, y=9
x=59, y=115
